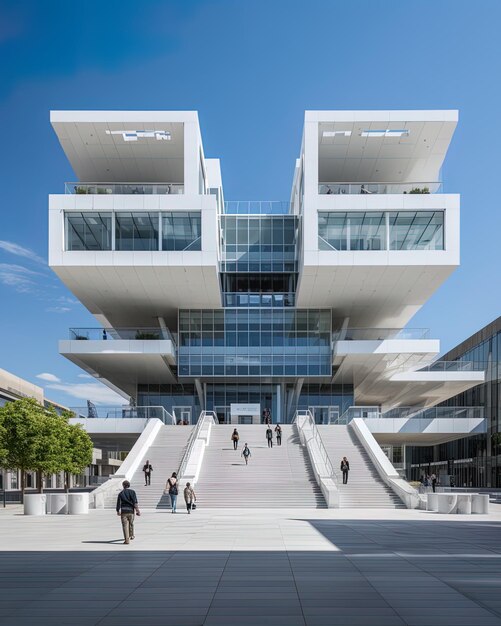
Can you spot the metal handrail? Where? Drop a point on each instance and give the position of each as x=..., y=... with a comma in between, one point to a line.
x=308, y=417
x=132, y=332
x=123, y=188
x=377, y=187
x=192, y=438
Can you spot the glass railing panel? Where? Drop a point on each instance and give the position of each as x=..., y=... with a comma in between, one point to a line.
x=257, y=207
x=379, y=334
x=113, y=334
x=124, y=188
x=361, y=188
x=259, y=299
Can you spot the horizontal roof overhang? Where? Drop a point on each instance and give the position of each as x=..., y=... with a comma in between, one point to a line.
x=123, y=364
x=424, y=432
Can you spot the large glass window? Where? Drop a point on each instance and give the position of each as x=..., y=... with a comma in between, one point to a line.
x=136, y=231
x=420, y=230
x=88, y=231
x=181, y=231
x=372, y=230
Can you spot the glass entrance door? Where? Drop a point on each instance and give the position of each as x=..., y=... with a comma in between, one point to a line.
x=223, y=414
x=325, y=414
x=182, y=414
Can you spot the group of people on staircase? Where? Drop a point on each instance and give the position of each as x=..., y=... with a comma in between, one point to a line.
x=246, y=453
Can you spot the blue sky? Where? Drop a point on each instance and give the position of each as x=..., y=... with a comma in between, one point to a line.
x=250, y=69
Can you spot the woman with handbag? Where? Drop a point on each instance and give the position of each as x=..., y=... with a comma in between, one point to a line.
x=189, y=497
x=172, y=490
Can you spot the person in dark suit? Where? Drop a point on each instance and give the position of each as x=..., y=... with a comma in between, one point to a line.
x=345, y=468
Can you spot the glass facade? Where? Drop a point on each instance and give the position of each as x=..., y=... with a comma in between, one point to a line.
x=88, y=231
x=381, y=230
x=473, y=461
x=255, y=342
x=134, y=231
x=182, y=231
x=259, y=243
x=274, y=396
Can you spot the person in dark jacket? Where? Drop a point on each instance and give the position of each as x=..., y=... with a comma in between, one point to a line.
x=235, y=437
x=345, y=468
x=127, y=506
x=171, y=488
x=278, y=434
x=269, y=437
x=147, y=469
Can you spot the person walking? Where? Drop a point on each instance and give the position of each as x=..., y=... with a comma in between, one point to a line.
x=433, y=482
x=345, y=468
x=246, y=453
x=127, y=506
x=269, y=437
x=171, y=488
x=189, y=497
x=147, y=469
x=278, y=434
x=235, y=437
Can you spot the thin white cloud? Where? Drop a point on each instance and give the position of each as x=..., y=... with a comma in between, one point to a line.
x=57, y=309
x=49, y=377
x=20, y=278
x=95, y=392
x=85, y=376
x=15, y=248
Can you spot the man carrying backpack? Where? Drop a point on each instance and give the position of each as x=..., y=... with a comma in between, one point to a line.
x=126, y=507
x=246, y=453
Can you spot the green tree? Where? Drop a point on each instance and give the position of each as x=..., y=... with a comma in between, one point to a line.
x=36, y=439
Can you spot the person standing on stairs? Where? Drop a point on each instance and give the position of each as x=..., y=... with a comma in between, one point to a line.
x=278, y=434
x=246, y=453
x=345, y=468
x=189, y=497
x=269, y=437
x=172, y=489
x=147, y=469
x=235, y=437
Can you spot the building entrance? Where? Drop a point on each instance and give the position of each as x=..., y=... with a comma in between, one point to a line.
x=182, y=414
x=325, y=414
x=223, y=414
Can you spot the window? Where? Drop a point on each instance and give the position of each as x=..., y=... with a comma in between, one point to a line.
x=88, y=231
x=419, y=230
x=181, y=231
x=136, y=231
x=372, y=230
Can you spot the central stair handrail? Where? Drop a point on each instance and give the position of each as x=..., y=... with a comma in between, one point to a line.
x=209, y=415
x=303, y=418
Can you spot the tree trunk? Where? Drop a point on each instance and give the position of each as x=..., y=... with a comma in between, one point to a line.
x=66, y=482
x=23, y=484
x=40, y=481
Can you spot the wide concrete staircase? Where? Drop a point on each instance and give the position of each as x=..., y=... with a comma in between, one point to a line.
x=165, y=456
x=365, y=489
x=278, y=477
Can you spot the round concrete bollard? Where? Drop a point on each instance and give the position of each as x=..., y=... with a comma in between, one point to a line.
x=78, y=503
x=35, y=504
x=447, y=503
x=480, y=503
x=57, y=503
x=432, y=502
x=464, y=504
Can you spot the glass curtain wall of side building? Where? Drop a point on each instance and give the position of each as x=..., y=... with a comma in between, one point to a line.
x=472, y=461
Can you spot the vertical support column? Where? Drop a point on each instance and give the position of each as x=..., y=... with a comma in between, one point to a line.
x=191, y=158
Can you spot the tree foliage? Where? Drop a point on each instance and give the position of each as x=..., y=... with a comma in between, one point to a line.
x=35, y=438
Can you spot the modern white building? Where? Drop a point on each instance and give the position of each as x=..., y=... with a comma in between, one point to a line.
x=256, y=309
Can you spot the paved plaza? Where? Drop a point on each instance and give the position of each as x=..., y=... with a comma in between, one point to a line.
x=280, y=567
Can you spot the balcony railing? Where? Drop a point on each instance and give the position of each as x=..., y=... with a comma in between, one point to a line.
x=379, y=334
x=124, y=412
x=259, y=300
x=435, y=412
x=379, y=188
x=162, y=189
x=110, y=334
x=257, y=207
x=455, y=366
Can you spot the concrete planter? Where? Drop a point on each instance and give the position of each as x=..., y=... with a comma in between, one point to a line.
x=57, y=503
x=35, y=504
x=78, y=503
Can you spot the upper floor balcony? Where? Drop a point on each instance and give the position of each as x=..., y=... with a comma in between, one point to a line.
x=128, y=188
x=369, y=188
